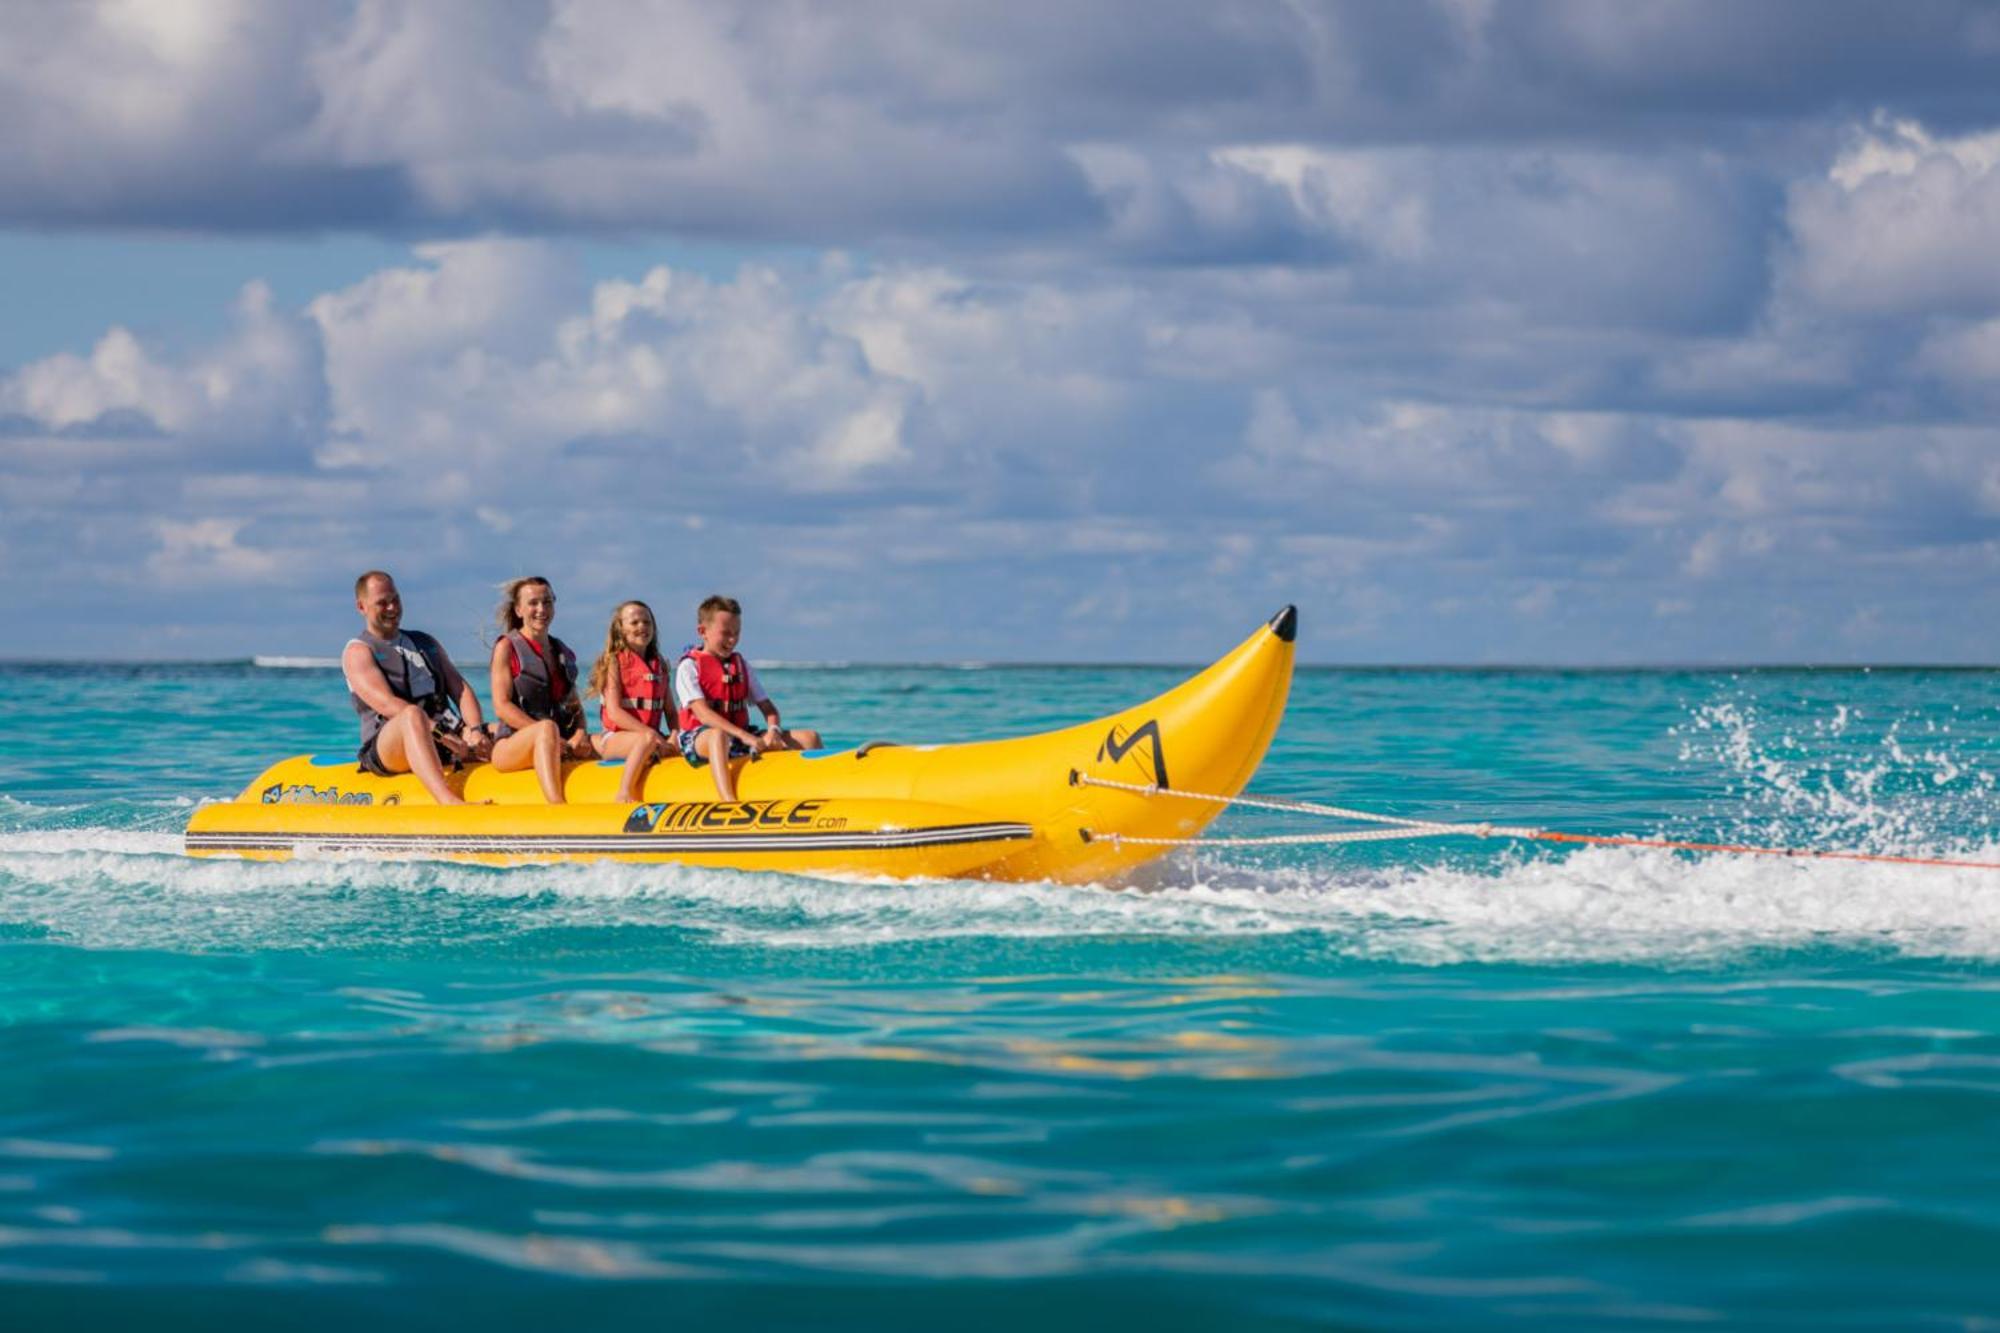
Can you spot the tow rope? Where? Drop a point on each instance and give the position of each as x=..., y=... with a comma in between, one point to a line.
x=1396, y=826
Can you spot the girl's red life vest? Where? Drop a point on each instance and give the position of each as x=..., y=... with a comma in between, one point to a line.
x=725, y=684
x=643, y=689
x=543, y=693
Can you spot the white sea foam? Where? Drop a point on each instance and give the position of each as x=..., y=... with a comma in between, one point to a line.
x=1616, y=905
x=104, y=888
x=1814, y=781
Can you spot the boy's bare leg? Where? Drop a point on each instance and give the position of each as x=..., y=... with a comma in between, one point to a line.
x=404, y=746
x=540, y=747
x=714, y=747
x=639, y=749
x=794, y=739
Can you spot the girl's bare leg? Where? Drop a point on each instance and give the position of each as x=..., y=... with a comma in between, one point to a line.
x=638, y=749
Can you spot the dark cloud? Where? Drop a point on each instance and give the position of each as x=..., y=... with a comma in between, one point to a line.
x=937, y=124
x=221, y=198
x=1711, y=60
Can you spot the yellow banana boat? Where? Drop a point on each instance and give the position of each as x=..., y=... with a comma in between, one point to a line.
x=1004, y=810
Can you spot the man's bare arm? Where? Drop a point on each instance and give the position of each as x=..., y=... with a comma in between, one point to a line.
x=365, y=678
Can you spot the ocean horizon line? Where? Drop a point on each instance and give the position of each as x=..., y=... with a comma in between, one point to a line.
x=302, y=662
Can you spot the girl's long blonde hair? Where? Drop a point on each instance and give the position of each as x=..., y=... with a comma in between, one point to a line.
x=606, y=666
x=505, y=615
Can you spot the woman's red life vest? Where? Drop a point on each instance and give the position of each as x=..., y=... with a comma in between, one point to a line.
x=643, y=689
x=725, y=684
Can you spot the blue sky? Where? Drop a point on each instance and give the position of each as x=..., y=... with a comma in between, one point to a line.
x=1570, y=332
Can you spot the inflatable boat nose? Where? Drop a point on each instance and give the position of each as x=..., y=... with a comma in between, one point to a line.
x=1286, y=624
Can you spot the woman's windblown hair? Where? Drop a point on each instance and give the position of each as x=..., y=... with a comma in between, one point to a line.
x=505, y=615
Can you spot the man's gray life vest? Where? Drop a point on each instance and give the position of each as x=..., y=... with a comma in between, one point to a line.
x=413, y=664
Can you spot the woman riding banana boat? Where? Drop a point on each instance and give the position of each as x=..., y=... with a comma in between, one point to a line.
x=1077, y=805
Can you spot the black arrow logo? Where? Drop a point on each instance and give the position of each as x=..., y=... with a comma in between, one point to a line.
x=1116, y=747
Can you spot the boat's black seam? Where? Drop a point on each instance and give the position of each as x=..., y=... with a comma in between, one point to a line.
x=628, y=843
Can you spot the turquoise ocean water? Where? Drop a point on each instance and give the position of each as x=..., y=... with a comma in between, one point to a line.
x=1448, y=1084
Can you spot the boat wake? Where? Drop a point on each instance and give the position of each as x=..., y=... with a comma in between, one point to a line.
x=112, y=874
x=123, y=888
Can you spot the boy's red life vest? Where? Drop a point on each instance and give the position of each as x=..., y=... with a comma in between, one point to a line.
x=725, y=684
x=540, y=692
x=643, y=689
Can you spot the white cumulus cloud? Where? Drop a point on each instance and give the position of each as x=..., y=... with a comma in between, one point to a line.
x=1904, y=222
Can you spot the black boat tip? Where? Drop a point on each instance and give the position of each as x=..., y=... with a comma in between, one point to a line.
x=1286, y=624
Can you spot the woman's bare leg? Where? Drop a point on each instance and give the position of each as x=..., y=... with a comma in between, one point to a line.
x=540, y=748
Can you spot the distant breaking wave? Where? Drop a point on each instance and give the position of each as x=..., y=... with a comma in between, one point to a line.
x=283, y=663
